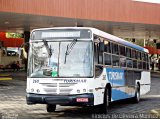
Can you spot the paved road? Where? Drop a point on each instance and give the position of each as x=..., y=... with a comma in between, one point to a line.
x=13, y=104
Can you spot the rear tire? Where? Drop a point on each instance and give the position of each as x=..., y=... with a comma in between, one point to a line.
x=51, y=108
x=136, y=98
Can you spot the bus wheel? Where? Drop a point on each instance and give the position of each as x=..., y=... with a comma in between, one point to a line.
x=105, y=105
x=136, y=98
x=51, y=108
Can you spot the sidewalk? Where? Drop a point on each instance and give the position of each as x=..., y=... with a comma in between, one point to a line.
x=155, y=73
x=156, y=112
x=11, y=75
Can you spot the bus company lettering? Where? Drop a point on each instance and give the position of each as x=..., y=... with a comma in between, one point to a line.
x=115, y=75
x=75, y=81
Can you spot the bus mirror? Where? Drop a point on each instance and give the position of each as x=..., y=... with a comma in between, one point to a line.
x=25, y=46
x=24, y=50
x=101, y=47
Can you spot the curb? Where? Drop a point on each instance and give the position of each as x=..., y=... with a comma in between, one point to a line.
x=5, y=78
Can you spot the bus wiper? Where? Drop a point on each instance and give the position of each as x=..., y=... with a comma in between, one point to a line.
x=49, y=50
x=69, y=49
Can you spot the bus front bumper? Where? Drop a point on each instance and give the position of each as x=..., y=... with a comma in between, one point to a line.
x=80, y=99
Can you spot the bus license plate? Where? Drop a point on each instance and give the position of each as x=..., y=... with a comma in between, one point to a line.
x=82, y=99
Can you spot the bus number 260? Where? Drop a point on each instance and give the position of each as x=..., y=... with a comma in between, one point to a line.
x=35, y=81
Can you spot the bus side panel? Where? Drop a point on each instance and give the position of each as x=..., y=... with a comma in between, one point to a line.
x=145, y=82
x=117, y=79
x=99, y=84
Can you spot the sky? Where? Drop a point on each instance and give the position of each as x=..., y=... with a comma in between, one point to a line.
x=149, y=1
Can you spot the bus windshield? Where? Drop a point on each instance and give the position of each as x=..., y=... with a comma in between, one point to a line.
x=61, y=59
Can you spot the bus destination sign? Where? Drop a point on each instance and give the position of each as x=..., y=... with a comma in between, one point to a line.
x=61, y=34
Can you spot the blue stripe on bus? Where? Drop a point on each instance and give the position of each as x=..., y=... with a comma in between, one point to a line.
x=127, y=43
x=118, y=95
x=124, y=42
x=134, y=46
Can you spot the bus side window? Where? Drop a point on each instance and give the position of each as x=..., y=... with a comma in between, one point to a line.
x=122, y=50
x=134, y=63
x=148, y=63
x=115, y=60
x=96, y=53
x=128, y=52
x=139, y=65
x=144, y=65
x=134, y=54
x=115, y=49
x=98, y=69
x=129, y=63
x=107, y=59
x=101, y=48
x=107, y=46
x=98, y=56
x=122, y=61
x=139, y=55
x=143, y=56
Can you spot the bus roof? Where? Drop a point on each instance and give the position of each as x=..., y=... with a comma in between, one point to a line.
x=119, y=40
x=103, y=34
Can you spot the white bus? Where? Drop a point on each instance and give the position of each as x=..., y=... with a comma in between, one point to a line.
x=84, y=66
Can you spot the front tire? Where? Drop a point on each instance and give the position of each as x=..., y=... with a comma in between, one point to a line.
x=51, y=108
x=105, y=105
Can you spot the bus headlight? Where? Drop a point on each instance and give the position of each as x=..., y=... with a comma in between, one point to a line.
x=84, y=90
x=78, y=91
x=32, y=90
x=38, y=90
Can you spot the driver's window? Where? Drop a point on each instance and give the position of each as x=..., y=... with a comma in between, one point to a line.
x=98, y=57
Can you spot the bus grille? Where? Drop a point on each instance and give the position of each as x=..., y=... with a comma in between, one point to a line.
x=58, y=88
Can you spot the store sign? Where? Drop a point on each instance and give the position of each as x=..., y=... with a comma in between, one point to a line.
x=13, y=35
